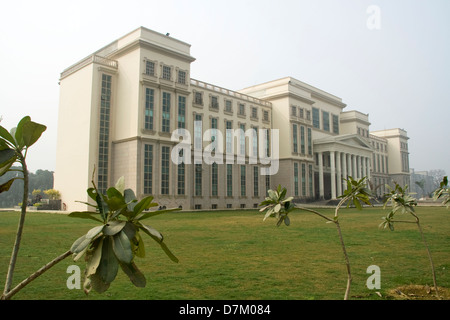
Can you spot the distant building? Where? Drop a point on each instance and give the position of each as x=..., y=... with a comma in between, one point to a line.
x=120, y=105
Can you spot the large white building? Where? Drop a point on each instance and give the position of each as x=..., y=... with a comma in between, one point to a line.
x=120, y=106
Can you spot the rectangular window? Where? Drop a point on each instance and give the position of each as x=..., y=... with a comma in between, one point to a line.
x=255, y=181
x=214, y=179
x=228, y=106
x=326, y=120
x=303, y=179
x=167, y=73
x=198, y=98
x=255, y=142
x=148, y=169
x=296, y=179
x=181, y=112
x=242, y=140
x=229, y=180
x=243, y=191
x=103, y=142
x=149, y=108
x=198, y=144
x=266, y=115
x=294, y=137
x=293, y=111
x=316, y=118
x=165, y=167
x=301, y=111
x=241, y=109
x=254, y=113
x=198, y=179
x=267, y=183
x=214, y=102
x=181, y=179
x=310, y=179
x=335, y=124
x=149, y=68
x=229, y=137
x=181, y=77
x=309, y=142
x=302, y=139
x=166, y=112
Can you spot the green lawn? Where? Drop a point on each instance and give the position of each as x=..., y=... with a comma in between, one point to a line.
x=235, y=255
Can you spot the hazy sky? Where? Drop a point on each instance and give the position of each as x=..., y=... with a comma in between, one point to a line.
x=398, y=73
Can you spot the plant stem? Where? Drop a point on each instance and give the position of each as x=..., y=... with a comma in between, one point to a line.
x=347, y=261
x=12, y=263
x=8, y=295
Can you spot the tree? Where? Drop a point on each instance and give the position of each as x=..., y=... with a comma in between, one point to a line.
x=443, y=192
x=14, y=147
x=278, y=206
x=402, y=202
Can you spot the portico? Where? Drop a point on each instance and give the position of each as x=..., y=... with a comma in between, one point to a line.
x=337, y=158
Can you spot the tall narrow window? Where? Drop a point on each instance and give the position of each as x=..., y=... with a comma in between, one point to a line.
x=295, y=178
x=181, y=77
x=267, y=183
x=166, y=112
x=214, y=179
x=255, y=181
x=165, y=163
x=149, y=108
x=229, y=180
x=181, y=175
x=148, y=169
x=198, y=179
x=294, y=137
x=255, y=142
x=229, y=137
x=302, y=139
x=335, y=124
x=316, y=118
x=103, y=141
x=167, y=73
x=310, y=179
x=309, y=142
x=303, y=179
x=149, y=68
x=214, y=123
x=181, y=112
x=198, y=133
x=243, y=190
x=326, y=121
x=242, y=140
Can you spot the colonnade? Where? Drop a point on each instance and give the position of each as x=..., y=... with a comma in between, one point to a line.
x=342, y=165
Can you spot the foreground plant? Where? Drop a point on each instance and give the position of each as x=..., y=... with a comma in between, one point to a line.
x=14, y=147
x=278, y=206
x=402, y=202
x=117, y=241
x=443, y=192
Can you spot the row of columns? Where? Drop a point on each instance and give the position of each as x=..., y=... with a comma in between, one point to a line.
x=342, y=166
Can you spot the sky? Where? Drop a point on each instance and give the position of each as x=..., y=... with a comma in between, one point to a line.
x=387, y=58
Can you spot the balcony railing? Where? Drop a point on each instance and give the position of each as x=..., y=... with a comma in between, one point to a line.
x=91, y=59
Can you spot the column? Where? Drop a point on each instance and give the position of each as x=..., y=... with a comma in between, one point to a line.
x=338, y=173
x=321, y=188
x=349, y=164
x=333, y=175
x=368, y=168
x=363, y=164
x=354, y=168
x=358, y=168
x=344, y=173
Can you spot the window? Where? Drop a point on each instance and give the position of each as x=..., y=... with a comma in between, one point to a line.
x=310, y=179
x=243, y=191
x=166, y=112
x=254, y=113
x=296, y=179
x=316, y=118
x=149, y=68
x=198, y=98
x=181, y=112
x=326, y=120
x=198, y=179
x=181, y=175
x=214, y=102
x=229, y=137
x=267, y=183
x=198, y=144
x=266, y=115
x=167, y=73
x=293, y=111
x=302, y=139
x=241, y=109
x=148, y=169
x=255, y=142
x=229, y=180
x=303, y=179
x=255, y=181
x=181, y=77
x=228, y=106
x=309, y=142
x=103, y=142
x=242, y=140
x=214, y=179
x=308, y=115
x=294, y=137
x=301, y=111
x=214, y=122
x=335, y=124
x=165, y=162
x=149, y=108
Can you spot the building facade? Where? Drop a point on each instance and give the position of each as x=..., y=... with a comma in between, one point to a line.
x=126, y=109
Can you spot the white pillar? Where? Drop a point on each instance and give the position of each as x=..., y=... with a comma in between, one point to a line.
x=321, y=188
x=354, y=170
x=333, y=175
x=358, y=168
x=363, y=164
x=344, y=167
x=338, y=173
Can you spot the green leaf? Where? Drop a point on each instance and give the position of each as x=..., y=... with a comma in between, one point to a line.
x=6, y=166
x=6, y=156
x=137, y=245
x=168, y=252
x=102, y=206
x=94, y=259
x=155, y=234
x=19, y=132
x=31, y=132
x=130, y=199
x=134, y=274
x=120, y=185
x=7, y=136
x=122, y=248
x=113, y=227
x=108, y=267
x=84, y=215
x=5, y=187
x=144, y=204
x=96, y=282
x=287, y=221
x=147, y=215
x=80, y=244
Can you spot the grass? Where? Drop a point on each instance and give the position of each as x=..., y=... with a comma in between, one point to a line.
x=231, y=255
